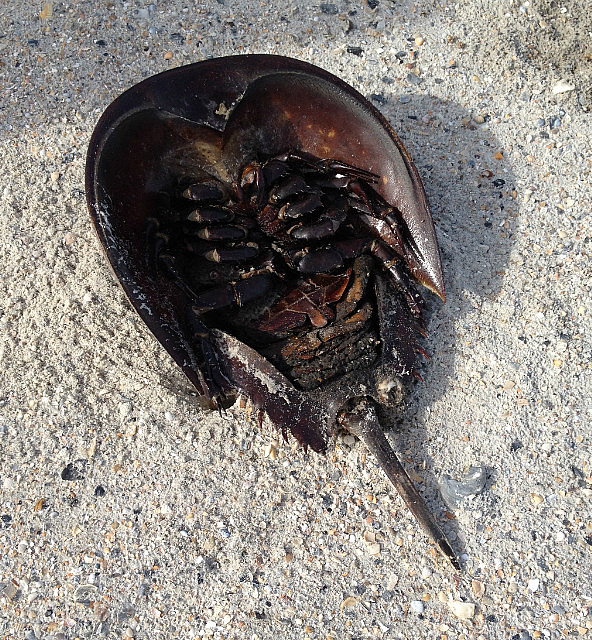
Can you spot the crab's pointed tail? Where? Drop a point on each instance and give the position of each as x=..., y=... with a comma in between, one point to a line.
x=363, y=422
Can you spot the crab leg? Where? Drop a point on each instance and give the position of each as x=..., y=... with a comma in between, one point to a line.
x=363, y=422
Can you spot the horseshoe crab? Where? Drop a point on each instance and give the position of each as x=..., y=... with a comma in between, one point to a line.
x=269, y=227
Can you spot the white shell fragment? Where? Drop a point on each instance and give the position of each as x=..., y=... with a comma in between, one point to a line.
x=562, y=87
x=455, y=491
x=462, y=610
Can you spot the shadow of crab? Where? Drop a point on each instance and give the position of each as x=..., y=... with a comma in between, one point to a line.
x=476, y=215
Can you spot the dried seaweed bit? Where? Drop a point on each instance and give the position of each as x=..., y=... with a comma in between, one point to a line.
x=356, y=51
x=74, y=470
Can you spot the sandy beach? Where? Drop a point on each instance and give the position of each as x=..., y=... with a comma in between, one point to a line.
x=127, y=511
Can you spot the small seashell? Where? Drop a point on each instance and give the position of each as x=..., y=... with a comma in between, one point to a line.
x=349, y=602
x=455, y=491
x=478, y=588
x=85, y=592
x=462, y=610
x=562, y=87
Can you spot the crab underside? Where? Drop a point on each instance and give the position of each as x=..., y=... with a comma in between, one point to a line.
x=300, y=258
x=270, y=228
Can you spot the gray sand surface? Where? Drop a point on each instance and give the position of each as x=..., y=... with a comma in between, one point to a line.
x=126, y=511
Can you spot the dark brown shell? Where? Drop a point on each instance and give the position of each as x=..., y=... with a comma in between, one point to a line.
x=210, y=118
